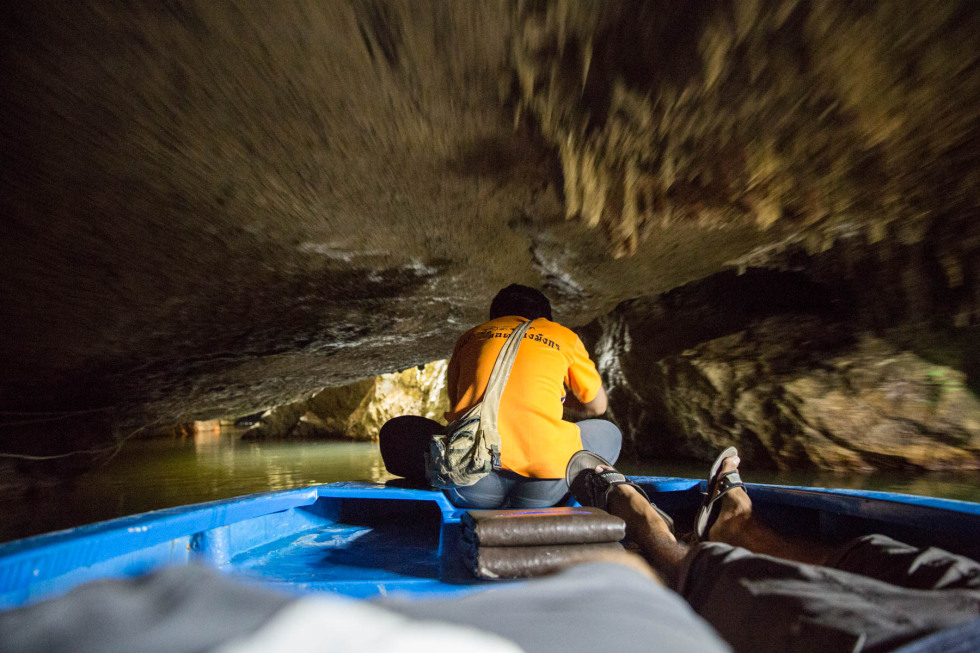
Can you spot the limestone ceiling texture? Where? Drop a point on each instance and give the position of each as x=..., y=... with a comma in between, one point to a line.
x=213, y=207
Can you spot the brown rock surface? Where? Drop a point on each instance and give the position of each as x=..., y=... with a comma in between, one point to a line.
x=213, y=208
x=791, y=391
x=357, y=411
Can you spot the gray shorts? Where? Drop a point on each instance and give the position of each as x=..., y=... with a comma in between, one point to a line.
x=509, y=490
x=876, y=594
x=585, y=609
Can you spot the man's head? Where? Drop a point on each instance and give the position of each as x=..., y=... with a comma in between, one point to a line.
x=520, y=300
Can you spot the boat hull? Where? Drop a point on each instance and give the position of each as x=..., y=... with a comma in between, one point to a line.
x=364, y=540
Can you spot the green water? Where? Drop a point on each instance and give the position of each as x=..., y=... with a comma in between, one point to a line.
x=154, y=474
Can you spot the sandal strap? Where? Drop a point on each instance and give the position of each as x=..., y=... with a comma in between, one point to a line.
x=600, y=484
x=603, y=483
x=611, y=478
x=728, y=482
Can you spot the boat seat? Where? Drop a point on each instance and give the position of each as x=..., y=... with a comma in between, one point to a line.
x=531, y=542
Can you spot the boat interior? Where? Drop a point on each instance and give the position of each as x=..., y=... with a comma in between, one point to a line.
x=364, y=540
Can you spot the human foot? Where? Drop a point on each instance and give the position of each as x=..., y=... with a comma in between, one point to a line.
x=593, y=481
x=726, y=505
x=736, y=508
x=632, y=506
x=735, y=525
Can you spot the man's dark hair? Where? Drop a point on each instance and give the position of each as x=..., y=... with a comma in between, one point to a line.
x=522, y=301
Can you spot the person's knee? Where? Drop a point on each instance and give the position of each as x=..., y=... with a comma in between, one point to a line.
x=403, y=442
x=602, y=437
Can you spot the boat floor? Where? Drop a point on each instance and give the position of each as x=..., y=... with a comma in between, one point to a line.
x=353, y=560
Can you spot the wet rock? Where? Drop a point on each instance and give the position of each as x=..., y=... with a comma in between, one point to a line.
x=335, y=406
x=277, y=422
x=797, y=391
x=357, y=411
x=416, y=391
x=309, y=427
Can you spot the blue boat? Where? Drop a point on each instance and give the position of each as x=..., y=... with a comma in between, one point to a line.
x=363, y=540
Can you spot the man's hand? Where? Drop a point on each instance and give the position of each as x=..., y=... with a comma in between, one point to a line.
x=575, y=410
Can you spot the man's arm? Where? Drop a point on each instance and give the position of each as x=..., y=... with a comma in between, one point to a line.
x=575, y=409
x=581, y=377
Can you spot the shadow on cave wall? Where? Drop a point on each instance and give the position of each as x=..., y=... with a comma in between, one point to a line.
x=720, y=305
x=77, y=424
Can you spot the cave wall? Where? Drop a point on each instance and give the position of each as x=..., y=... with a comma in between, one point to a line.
x=795, y=372
x=358, y=411
x=210, y=209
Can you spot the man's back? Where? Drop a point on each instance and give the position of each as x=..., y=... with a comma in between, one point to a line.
x=536, y=442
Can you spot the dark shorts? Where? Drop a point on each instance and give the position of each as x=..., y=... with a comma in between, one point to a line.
x=876, y=595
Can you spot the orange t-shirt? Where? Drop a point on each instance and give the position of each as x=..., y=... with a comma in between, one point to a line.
x=534, y=440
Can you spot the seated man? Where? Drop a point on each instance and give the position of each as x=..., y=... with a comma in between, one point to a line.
x=536, y=443
x=765, y=592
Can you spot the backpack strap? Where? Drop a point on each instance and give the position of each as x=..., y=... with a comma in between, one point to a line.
x=496, y=384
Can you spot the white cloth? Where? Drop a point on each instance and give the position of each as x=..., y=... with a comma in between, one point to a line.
x=332, y=624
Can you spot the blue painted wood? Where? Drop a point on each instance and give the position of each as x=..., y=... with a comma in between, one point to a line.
x=365, y=539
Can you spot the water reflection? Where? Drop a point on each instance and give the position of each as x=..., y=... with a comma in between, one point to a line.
x=207, y=436
x=212, y=463
x=205, y=465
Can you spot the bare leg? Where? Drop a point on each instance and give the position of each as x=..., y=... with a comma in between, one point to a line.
x=738, y=527
x=735, y=525
x=648, y=531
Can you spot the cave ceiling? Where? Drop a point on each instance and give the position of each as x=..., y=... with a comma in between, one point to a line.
x=209, y=208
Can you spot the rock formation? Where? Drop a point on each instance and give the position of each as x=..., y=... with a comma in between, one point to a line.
x=823, y=117
x=771, y=363
x=795, y=394
x=357, y=411
x=210, y=208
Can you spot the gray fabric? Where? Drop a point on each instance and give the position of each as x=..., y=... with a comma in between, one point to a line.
x=509, y=490
x=589, y=608
x=761, y=604
x=881, y=557
x=179, y=609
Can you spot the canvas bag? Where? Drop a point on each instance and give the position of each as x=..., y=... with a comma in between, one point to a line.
x=469, y=447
